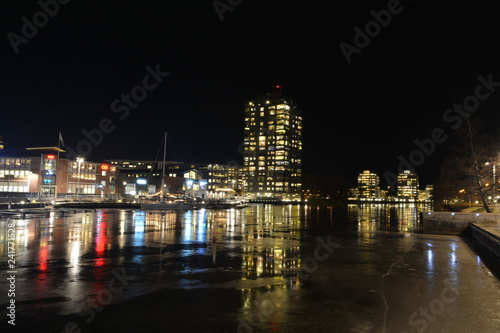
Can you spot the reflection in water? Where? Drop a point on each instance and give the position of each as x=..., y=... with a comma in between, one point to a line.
x=402, y=217
x=262, y=241
x=74, y=256
x=259, y=250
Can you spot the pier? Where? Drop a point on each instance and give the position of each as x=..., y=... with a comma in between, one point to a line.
x=29, y=213
x=25, y=213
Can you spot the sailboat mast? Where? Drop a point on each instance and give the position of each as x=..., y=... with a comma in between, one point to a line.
x=164, y=162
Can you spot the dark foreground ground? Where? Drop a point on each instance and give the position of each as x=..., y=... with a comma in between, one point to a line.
x=171, y=310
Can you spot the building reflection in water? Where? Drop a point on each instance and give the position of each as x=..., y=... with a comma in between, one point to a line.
x=401, y=217
x=271, y=246
x=271, y=260
x=262, y=244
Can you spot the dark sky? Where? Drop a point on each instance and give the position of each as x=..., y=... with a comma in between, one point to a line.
x=363, y=114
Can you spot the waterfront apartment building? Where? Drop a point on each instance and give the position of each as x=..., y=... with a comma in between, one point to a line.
x=407, y=189
x=144, y=178
x=42, y=173
x=194, y=185
x=224, y=180
x=368, y=186
x=272, y=148
x=427, y=194
x=408, y=185
x=45, y=175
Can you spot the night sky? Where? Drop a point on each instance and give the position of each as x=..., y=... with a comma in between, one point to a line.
x=71, y=74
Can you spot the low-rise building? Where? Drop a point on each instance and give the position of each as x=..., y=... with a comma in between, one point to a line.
x=42, y=174
x=194, y=185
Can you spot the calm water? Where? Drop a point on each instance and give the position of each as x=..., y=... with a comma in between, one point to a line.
x=358, y=268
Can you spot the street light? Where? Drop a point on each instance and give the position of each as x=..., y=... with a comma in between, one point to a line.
x=79, y=160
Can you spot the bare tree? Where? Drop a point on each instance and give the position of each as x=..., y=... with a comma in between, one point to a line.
x=477, y=160
x=468, y=169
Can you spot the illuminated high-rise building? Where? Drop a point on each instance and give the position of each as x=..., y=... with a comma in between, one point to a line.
x=272, y=148
x=408, y=186
x=1, y=143
x=368, y=185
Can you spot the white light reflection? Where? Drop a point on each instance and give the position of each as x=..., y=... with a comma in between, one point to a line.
x=430, y=260
x=201, y=226
x=188, y=225
x=453, y=256
x=74, y=258
x=139, y=223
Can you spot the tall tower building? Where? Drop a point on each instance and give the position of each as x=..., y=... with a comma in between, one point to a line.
x=368, y=185
x=408, y=186
x=273, y=148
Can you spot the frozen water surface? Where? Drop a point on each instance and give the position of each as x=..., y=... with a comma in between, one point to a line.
x=264, y=268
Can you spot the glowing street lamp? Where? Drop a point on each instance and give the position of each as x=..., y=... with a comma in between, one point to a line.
x=79, y=160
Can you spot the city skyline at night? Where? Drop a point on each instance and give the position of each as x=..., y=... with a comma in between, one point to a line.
x=249, y=166
x=134, y=72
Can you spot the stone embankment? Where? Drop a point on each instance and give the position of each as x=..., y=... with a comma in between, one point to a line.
x=483, y=227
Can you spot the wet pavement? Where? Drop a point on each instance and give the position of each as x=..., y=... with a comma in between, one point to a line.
x=264, y=268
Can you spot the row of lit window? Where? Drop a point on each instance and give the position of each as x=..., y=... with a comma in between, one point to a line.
x=278, y=129
x=84, y=167
x=253, y=136
x=221, y=167
x=412, y=182
x=86, y=176
x=280, y=144
x=268, y=168
x=14, y=173
x=15, y=161
x=276, y=160
x=270, y=156
x=271, y=148
x=81, y=188
x=252, y=169
x=279, y=107
x=13, y=187
x=275, y=187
